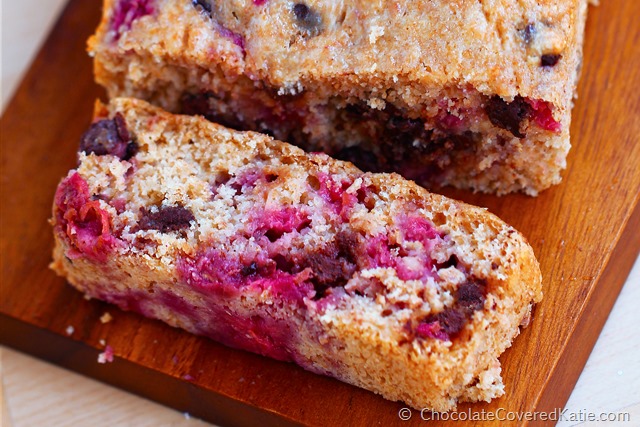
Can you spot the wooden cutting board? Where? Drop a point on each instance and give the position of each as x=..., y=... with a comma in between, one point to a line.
x=585, y=232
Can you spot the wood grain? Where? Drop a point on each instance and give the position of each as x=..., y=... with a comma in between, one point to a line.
x=585, y=233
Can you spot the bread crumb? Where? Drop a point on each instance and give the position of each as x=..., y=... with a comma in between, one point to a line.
x=376, y=32
x=106, y=318
x=106, y=355
x=376, y=103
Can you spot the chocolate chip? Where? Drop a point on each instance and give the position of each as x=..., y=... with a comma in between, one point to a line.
x=549, y=60
x=165, y=219
x=308, y=19
x=528, y=33
x=451, y=321
x=402, y=144
x=508, y=115
x=332, y=265
x=121, y=127
x=347, y=245
x=204, y=4
x=108, y=136
x=471, y=296
x=329, y=269
x=284, y=264
x=132, y=150
x=100, y=197
x=271, y=177
x=250, y=270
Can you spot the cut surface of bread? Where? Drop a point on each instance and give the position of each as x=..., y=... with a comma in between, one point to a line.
x=250, y=241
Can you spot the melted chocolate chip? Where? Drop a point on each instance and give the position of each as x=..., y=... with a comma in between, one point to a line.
x=132, y=150
x=109, y=136
x=271, y=177
x=403, y=144
x=471, y=296
x=307, y=19
x=451, y=321
x=333, y=265
x=329, y=269
x=347, y=244
x=166, y=219
x=204, y=4
x=121, y=127
x=508, y=115
x=549, y=60
x=396, y=136
x=286, y=265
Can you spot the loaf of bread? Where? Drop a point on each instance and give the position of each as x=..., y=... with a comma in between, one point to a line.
x=252, y=242
x=474, y=94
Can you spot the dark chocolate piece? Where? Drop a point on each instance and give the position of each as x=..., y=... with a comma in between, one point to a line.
x=549, y=60
x=307, y=19
x=508, y=115
x=166, y=219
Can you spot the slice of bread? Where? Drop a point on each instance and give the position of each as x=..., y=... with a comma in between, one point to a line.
x=233, y=235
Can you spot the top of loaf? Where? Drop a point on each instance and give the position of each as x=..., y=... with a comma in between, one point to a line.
x=387, y=50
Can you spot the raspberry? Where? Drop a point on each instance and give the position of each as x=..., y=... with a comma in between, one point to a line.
x=127, y=11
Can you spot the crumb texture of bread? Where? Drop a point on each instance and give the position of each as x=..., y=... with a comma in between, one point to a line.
x=474, y=94
x=254, y=243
